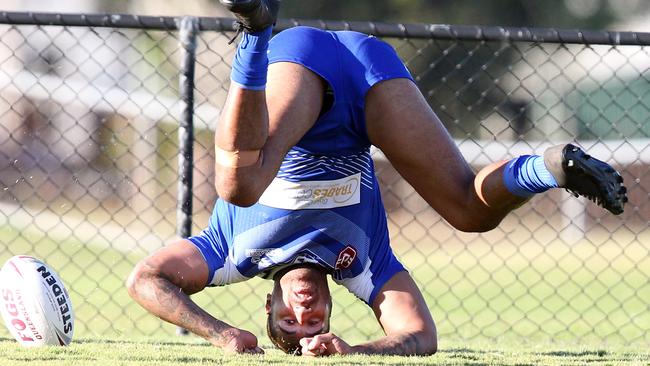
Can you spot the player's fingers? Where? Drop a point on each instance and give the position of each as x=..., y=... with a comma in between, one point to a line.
x=304, y=347
x=307, y=349
x=304, y=341
x=319, y=351
x=321, y=345
x=307, y=353
x=320, y=339
x=328, y=343
x=254, y=351
x=336, y=345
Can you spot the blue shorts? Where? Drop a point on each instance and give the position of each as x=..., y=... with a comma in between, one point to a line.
x=351, y=63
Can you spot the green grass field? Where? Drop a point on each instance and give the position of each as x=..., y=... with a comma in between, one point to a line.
x=516, y=304
x=111, y=352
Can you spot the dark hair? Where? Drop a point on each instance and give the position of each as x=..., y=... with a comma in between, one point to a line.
x=287, y=343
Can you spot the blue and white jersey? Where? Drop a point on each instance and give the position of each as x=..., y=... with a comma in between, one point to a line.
x=324, y=205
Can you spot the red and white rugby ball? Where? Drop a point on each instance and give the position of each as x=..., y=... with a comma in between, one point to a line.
x=35, y=305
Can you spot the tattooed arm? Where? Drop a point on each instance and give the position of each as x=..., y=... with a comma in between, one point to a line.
x=401, y=311
x=162, y=284
x=418, y=343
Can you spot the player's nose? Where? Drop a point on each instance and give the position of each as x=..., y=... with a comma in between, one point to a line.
x=303, y=300
x=301, y=313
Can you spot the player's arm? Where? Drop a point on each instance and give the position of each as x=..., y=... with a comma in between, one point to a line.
x=162, y=284
x=404, y=316
x=257, y=129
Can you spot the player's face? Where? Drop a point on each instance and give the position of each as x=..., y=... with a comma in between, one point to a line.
x=301, y=306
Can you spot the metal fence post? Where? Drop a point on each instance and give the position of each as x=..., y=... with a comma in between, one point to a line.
x=188, y=30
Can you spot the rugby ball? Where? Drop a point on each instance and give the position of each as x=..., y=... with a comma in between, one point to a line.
x=34, y=303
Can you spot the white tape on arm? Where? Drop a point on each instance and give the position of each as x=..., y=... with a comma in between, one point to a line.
x=237, y=158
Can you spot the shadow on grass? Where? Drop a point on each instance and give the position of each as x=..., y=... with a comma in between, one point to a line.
x=138, y=341
x=465, y=353
x=463, y=350
x=602, y=355
x=599, y=353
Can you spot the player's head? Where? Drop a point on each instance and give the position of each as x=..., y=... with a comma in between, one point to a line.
x=299, y=306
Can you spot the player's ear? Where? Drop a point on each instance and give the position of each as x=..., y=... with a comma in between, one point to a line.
x=268, y=304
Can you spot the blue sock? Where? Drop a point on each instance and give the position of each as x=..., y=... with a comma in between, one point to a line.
x=527, y=175
x=251, y=63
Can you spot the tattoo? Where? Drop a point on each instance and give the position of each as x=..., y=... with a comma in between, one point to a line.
x=410, y=344
x=167, y=301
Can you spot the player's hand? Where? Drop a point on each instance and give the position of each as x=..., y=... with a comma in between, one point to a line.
x=240, y=341
x=324, y=345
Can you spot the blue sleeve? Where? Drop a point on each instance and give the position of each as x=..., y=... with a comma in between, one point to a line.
x=383, y=266
x=212, y=243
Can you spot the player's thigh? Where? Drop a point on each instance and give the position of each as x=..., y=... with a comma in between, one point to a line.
x=400, y=122
x=181, y=263
x=294, y=97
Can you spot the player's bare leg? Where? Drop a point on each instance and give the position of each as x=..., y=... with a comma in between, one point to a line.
x=403, y=126
x=401, y=123
x=269, y=108
x=271, y=123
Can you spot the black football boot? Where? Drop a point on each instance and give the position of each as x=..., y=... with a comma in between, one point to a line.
x=253, y=15
x=583, y=175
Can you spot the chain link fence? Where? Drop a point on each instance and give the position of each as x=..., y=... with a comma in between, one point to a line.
x=94, y=120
